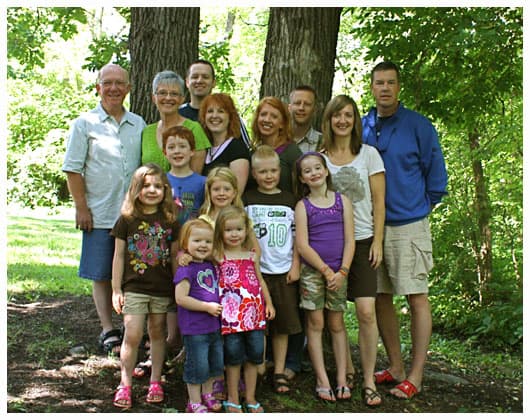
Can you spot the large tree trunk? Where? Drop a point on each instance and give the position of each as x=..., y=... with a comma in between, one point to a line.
x=300, y=50
x=482, y=247
x=160, y=38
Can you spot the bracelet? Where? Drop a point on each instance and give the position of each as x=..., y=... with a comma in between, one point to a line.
x=324, y=268
x=344, y=273
x=345, y=269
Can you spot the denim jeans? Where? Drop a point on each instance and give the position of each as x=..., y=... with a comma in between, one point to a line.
x=204, y=357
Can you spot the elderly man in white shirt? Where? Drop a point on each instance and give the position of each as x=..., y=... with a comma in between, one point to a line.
x=102, y=153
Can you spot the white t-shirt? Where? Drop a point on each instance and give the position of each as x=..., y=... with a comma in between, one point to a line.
x=352, y=180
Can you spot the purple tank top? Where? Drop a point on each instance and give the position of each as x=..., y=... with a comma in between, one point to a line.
x=325, y=228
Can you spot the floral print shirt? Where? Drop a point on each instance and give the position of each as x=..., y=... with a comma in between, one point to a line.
x=147, y=254
x=241, y=296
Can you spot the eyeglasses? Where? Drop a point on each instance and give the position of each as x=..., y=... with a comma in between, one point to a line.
x=164, y=93
x=109, y=83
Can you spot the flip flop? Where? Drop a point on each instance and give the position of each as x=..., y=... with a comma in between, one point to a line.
x=254, y=408
x=343, y=393
x=325, y=394
x=408, y=388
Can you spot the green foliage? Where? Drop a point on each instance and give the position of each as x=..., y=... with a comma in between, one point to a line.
x=108, y=49
x=462, y=67
x=28, y=29
x=39, y=114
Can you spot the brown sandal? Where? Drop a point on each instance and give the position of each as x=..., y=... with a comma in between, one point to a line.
x=369, y=395
x=280, y=381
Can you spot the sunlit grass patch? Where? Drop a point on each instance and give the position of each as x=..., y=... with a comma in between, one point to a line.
x=43, y=255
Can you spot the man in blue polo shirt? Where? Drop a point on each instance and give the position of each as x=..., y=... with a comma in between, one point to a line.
x=416, y=181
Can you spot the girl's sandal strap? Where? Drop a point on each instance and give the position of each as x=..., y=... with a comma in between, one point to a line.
x=155, y=393
x=123, y=397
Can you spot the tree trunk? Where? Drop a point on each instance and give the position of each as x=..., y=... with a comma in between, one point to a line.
x=482, y=247
x=160, y=38
x=300, y=50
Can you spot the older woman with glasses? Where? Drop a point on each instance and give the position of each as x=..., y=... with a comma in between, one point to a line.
x=168, y=96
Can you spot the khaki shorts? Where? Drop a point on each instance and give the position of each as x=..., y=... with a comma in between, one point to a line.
x=141, y=304
x=407, y=259
x=315, y=296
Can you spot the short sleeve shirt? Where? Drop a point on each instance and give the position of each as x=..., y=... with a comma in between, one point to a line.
x=272, y=217
x=353, y=180
x=147, y=254
x=106, y=153
x=151, y=151
x=188, y=193
x=204, y=286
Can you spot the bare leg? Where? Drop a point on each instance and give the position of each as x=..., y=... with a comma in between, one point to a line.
x=315, y=326
x=388, y=324
x=250, y=373
x=421, y=329
x=368, y=336
x=134, y=327
x=157, y=337
x=279, y=351
x=102, y=295
x=338, y=342
x=173, y=340
x=233, y=374
x=194, y=393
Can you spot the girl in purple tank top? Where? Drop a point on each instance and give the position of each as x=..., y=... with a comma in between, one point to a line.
x=325, y=241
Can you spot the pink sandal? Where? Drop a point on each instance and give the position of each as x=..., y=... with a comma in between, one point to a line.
x=196, y=408
x=123, y=397
x=155, y=393
x=212, y=404
x=218, y=389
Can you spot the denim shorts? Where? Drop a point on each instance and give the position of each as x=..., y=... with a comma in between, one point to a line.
x=243, y=347
x=97, y=252
x=204, y=357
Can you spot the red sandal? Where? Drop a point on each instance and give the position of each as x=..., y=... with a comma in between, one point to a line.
x=123, y=397
x=384, y=377
x=408, y=388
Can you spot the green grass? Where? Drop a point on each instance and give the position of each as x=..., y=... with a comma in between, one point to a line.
x=465, y=356
x=43, y=255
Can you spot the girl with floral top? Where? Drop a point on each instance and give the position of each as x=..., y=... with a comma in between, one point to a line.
x=246, y=305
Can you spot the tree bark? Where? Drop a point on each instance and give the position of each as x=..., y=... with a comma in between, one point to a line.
x=160, y=38
x=300, y=50
x=482, y=247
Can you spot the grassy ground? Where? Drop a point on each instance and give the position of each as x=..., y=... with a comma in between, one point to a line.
x=42, y=259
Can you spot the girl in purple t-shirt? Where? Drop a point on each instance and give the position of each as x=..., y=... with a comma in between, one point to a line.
x=325, y=241
x=197, y=296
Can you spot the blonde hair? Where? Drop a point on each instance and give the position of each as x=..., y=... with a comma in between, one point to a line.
x=263, y=152
x=219, y=173
x=132, y=207
x=230, y=213
x=187, y=228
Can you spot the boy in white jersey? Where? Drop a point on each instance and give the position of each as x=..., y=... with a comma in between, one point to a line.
x=272, y=213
